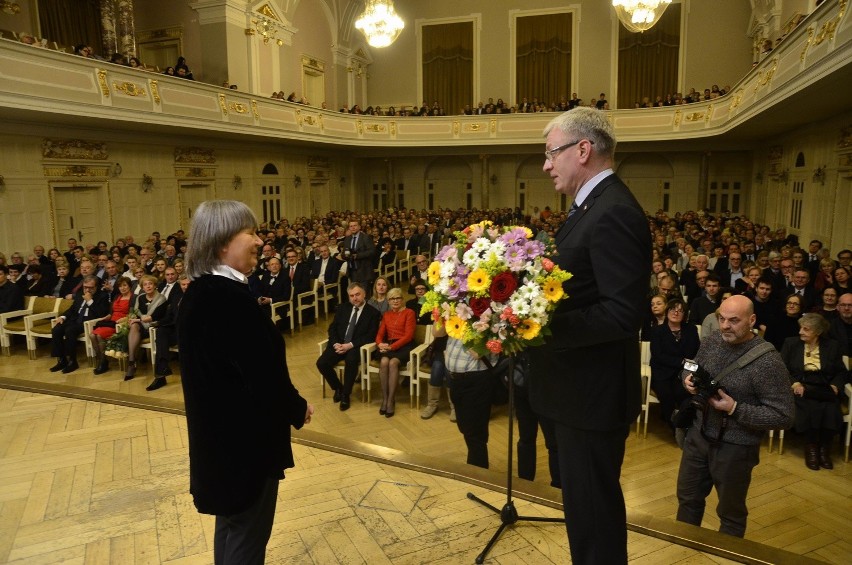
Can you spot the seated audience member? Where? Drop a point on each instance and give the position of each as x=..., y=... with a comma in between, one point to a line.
x=801, y=287
x=355, y=324
x=89, y=303
x=105, y=327
x=818, y=374
x=656, y=316
x=271, y=286
x=296, y=273
x=169, y=286
x=841, y=326
x=420, y=271
x=325, y=268
x=167, y=335
x=748, y=284
x=64, y=283
x=841, y=280
x=828, y=304
x=386, y=257
x=379, y=298
x=152, y=307
x=394, y=342
x=825, y=275
x=671, y=343
x=707, y=304
x=38, y=285
x=11, y=295
x=416, y=303
x=15, y=275
x=710, y=323
x=787, y=325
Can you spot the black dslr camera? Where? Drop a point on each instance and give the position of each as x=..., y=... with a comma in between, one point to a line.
x=703, y=382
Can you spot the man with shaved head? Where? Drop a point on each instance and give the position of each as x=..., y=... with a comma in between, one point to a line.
x=722, y=446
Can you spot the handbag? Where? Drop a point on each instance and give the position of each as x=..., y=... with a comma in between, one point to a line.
x=105, y=324
x=820, y=392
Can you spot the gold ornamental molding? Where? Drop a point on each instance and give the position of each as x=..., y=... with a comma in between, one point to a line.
x=709, y=114
x=223, y=105
x=493, y=126
x=393, y=128
x=254, y=110
x=76, y=171
x=102, y=81
x=455, y=128
x=807, y=44
x=360, y=127
x=155, y=91
x=195, y=172
x=376, y=128
x=738, y=98
x=473, y=127
x=268, y=12
x=238, y=108
x=677, y=118
x=764, y=77
x=321, y=125
x=129, y=89
x=694, y=117
x=299, y=117
x=830, y=27
x=194, y=155
x=73, y=149
x=310, y=120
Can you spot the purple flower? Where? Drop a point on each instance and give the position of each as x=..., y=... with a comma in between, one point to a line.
x=533, y=248
x=515, y=236
x=447, y=252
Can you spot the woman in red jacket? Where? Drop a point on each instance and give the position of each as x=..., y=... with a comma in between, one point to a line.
x=393, y=345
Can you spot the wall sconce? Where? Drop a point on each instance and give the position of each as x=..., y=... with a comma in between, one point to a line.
x=784, y=176
x=494, y=179
x=238, y=182
x=358, y=69
x=116, y=169
x=147, y=183
x=819, y=175
x=2, y=183
x=267, y=29
x=9, y=7
x=758, y=177
x=342, y=180
x=297, y=181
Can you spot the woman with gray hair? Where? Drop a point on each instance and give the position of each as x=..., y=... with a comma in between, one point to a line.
x=240, y=402
x=817, y=373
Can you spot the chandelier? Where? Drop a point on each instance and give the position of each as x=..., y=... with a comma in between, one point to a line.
x=640, y=15
x=380, y=23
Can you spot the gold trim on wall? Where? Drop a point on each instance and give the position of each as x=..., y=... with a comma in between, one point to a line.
x=222, y=105
x=129, y=89
x=57, y=148
x=155, y=91
x=194, y=155
x=102, y=81
x=238, y=108
x=254, y=110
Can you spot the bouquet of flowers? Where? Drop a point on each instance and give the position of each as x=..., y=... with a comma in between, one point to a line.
x=493, y=289
x=116, y=345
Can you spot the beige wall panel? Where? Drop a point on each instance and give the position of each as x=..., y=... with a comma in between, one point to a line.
x=158, y=14
x=718, y=51
x=35, y=77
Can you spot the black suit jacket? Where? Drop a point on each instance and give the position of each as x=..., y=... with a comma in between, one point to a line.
x=332, y=269
x=365, y=330
x=412, y=244
x=364, y=252
x=301, y=278
x=831, y=361
x=11, y=297
x=277, y=290
x=99, y=308
x=586, y=375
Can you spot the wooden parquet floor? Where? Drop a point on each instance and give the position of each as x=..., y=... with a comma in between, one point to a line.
x=99, y=482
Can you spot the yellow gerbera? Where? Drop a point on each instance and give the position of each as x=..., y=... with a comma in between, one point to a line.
x=456, y=327
x=528, y=329
x=478, y=280
x=434, y=273
x=527, y=231
x=552, y=289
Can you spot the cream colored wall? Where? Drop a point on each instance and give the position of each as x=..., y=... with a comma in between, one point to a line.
x=25, y=20
x=157, y=14
x=314, y=39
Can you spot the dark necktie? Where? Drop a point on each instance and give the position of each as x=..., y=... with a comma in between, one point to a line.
x=292, y=270
x=350, y=330
x=573, y=208
x=272, y=280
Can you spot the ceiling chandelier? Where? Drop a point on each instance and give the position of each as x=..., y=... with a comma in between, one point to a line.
x=640, y=15
x=380, y=23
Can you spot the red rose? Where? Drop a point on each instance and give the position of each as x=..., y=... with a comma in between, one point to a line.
x=479, y=305
x=502, y=286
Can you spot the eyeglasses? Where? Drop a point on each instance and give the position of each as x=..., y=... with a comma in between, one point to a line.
x=793, y=302
x=550, y=154
x=395, y=298
x=89, y=287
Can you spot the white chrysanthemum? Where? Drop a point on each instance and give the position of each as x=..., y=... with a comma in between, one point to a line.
x=448, y=268
x=520, y=306
x=529, y=291
x=442, y=286
x=498, y=247
x=481, y=245
x=471, y=258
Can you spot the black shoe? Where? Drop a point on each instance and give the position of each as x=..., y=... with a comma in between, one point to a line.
x=158, y=382
x=344, y=403
x=71, y=367
x=337, y=396
x=60, y=364
x=131, y=371
x=389, y=414
x=102, y=367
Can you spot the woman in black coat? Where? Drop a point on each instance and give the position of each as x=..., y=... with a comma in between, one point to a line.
x=671, y=343
x=818, y=374
x=240, y=402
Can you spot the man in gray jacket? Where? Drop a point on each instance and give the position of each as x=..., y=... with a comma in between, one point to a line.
x=722, y=446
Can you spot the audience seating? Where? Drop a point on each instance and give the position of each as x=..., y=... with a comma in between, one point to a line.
x=329, y=292
x=648, y=396
x=40, y=325
x=308, y=300
x=371, y=367
x=288, y=304
x=13, y=323
x=422, y=370
x=338, y=368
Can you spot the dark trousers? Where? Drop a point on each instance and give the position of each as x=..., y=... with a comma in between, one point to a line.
x=240, y=539
x=670, y=393
x=166, y=337
x=329, y=359
x=64, y=342
x=725, y=466
x=471, y=395
x=595, y=516
x=528, y=423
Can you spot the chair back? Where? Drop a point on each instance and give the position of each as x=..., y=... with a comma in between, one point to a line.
x=64, y=305
x=42, y=305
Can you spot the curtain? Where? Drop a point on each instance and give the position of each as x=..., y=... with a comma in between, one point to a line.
x=448, y=65
x=71, y=22
x=543, y=58
x=648, y=62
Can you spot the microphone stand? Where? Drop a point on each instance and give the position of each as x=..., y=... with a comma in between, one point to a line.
x=508, y=514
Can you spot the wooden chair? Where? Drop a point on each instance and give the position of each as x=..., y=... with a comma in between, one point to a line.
x=288, y=305
x=327, y=293
x=371, y=367
x=12, y=323
x=403, y=262
x=422, y=370
x=339, y=368
x=648, y=396
x=308, y=300
x=151, y=344
x=40, y=325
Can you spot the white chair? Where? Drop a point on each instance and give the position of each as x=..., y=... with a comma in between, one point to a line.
x=39, y=324
x=287, y=305
x=648, y=396
x=327, y=293
x=339, y=368
x=308, y=300
x=15, y=322
x=847, y=418
x=370, y=367
x=151, y=344
x=422, y=370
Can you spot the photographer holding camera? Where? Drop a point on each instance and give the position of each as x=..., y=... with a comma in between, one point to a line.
x=741, y=389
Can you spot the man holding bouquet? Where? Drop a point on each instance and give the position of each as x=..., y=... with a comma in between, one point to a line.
x=585, y=378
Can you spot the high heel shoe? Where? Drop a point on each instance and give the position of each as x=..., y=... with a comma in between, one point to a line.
x=382, y=411
x=131, y=371
x=389, y=414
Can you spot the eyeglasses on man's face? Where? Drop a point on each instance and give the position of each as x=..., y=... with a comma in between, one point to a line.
x=550, y=154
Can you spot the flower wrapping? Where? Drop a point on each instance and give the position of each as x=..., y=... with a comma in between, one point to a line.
x=494, y=289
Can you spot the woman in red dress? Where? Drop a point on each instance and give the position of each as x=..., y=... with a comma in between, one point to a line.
x=394, y=342
x=105, y=327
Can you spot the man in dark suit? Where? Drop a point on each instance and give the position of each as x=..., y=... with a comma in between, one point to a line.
x=585, y=378
x=408, y=242
x=271, y=285
x=430, y=242
x=344, y=342
x=325, y=268
x=358, y=250
x=11, y=294
x=802, y=287
x=89, y=303
x=166, y=334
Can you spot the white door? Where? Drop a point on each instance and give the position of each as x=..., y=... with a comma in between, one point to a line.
x=76, y=215
x=191, y=196
x=320, y=199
